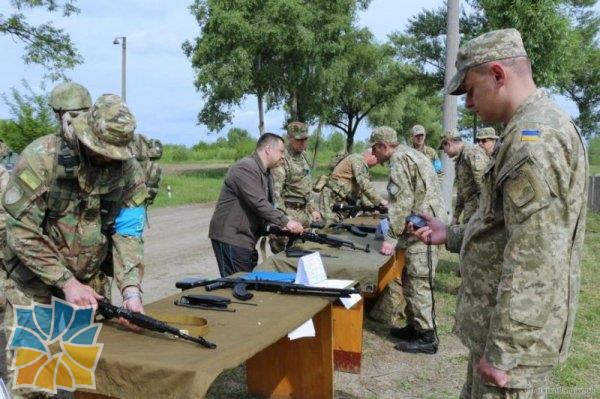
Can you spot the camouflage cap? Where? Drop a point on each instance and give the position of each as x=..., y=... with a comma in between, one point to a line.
x=449, y=135
x=486, y=133
x=491, y=46
x=418, y=130
x=69, y=96
x=297, y=130
x=155, y=149
x=107, y=127
x=383, y=134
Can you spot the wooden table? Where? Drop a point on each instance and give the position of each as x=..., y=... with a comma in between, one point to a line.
x=276, y=367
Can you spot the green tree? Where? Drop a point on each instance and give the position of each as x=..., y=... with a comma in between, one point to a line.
x=44, y=44
x=365, y=78
x=237, y=135
x=561, y=36
x=277, y=50
x=32, y=118
x=409, y=108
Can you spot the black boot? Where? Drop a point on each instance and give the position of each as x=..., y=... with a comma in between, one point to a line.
x=425, y=342
x=406, y=332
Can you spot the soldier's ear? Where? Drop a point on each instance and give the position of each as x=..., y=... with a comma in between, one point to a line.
x=498, y=72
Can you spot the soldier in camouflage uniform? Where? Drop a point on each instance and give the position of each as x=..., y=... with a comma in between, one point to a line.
x=292, y=183
x=350, y=182
x=520, y=254
x=486, y=138
x=412, y=189
x=64, y=202
x=470, y=162
x=418, y=143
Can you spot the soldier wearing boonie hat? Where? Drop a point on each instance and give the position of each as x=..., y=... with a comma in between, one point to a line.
x=487, y=139
x=68, y=210
x=107, y=128
x=518, y=298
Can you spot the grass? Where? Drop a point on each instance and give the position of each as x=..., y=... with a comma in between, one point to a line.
x=579, y=376
x=190, y=187
x=582, y=369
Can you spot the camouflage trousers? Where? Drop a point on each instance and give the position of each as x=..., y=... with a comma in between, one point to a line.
x=409, y=295
x=26, y=295
x=278, y=244
x=523, y=382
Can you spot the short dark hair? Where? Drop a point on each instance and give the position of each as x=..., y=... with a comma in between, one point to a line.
x=266, y=139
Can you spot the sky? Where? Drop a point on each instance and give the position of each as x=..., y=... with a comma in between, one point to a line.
x=160, y=89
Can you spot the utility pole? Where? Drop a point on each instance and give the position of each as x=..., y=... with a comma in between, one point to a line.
x=123, y=41
x=450, y=118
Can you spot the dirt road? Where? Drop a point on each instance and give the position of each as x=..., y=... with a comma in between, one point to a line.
x=177, y=245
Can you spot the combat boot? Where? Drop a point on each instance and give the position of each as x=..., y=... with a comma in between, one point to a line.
x=406, y=332
x=425, y=342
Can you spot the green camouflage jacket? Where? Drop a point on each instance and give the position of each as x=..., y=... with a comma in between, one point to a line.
x=520, y=254
x=413, y=188
x=292, y=181
x=351, y=181
x=469, y=166
x=73, y=245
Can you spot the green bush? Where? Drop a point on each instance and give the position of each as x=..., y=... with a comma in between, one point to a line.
x=594, y=151
x=243, y=148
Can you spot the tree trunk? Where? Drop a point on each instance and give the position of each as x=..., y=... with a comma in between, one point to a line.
x=350, y=135
x=261, y=113
x=294, y=107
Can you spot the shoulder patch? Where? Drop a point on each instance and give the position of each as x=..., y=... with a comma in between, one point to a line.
x=530, y=135
x=13, y=195
x=28, y=177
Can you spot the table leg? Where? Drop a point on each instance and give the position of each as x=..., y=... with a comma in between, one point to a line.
x=348, y=337
x=302, y=368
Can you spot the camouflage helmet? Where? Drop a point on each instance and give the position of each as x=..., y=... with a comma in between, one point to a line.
x=383, y=134
x=297, y=130
x=107, y=128
x=155, y=149
x=69, y=96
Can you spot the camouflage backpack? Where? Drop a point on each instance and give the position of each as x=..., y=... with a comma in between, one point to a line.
x=148, y=152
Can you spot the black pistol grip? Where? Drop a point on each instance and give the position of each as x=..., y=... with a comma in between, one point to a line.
x=240, y=292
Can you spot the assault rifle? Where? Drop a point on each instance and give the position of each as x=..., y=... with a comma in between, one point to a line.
x=357, y=230
x=241, y=286
x=353, y=210
x=109, y=311
x=319, y=238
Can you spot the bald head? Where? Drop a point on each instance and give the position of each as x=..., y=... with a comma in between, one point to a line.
x=369, y=158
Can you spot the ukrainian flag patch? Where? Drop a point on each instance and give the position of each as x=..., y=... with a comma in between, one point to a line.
x=530, y=135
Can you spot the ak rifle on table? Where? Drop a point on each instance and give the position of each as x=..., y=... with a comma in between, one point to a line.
x=319, y=238
x=110, y=311
x=241, y=286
